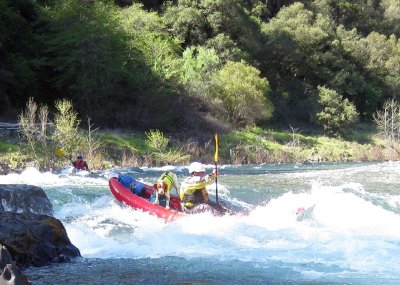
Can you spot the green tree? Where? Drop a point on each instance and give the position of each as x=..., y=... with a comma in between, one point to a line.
x=226, y=48
x=98, y=58
x=87, y=51
x=391, y=14
x=337, y=114
x=65, y=134
x=149, y=35
x=197, y=62
x=18, y=47
x=232, y=18
x=187, y=22
x=240, y=94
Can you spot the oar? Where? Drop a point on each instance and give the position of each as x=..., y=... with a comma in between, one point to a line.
x=216, y=167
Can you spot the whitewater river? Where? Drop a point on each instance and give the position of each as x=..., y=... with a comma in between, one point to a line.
x=352, y=237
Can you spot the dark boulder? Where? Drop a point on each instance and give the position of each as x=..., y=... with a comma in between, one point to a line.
x=11, y=274
x=22, y=198
x=35, y=240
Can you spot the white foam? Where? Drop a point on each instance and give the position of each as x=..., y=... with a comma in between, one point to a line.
x=349, y=227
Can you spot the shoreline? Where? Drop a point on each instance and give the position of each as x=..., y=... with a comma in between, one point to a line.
x=250, y=146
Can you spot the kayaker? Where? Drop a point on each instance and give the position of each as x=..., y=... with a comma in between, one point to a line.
x=80, y=164
x=193, y=192
x=163, y=187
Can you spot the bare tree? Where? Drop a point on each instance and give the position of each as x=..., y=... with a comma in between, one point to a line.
x=92, y=142
x=295, y=142
x=388, y=120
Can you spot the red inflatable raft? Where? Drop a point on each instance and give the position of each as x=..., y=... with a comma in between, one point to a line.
x=124, y=195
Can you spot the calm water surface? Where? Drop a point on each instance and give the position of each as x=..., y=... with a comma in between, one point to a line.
x=352, y=236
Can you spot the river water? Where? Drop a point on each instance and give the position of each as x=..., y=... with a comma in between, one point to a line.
x=352, y=236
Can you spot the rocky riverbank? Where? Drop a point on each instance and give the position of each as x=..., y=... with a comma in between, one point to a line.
x=29, y=234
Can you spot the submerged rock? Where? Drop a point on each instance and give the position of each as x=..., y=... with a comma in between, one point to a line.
x=22, y=198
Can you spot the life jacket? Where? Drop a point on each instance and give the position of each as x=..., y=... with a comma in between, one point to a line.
x=80, y=164
x=193, y=190
x=168, y=179
x=190, y=200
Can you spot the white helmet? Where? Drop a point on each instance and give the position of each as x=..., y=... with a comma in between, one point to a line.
x=196, y=167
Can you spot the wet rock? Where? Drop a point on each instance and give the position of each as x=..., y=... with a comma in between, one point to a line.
x=10, y=274
x=35, y=240
x=22, y=198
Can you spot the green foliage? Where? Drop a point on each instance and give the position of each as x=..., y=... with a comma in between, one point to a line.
x=6, y=147
x=226, y=48
x=173, y=157
x=230, y=17
x=158, y=144
x=33, y=128
x=197, y=62
x=187, y=22
x=240, y=94
x=391, y=15
x=124, y=142
x=337, y=115
x=297, y=41
x=18, y=45
x=376, y=54
x=156, y=140
x=85, y=49
x=40, y=138
x=148, y=34
x=123, y=64
x=95, y=63
x=66, y=122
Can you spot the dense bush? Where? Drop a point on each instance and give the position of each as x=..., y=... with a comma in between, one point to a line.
x=168, y=68
x=337, y=114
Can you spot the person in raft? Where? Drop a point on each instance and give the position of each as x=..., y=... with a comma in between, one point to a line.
x=193, y=192
x=80, y=164
x=163, y=187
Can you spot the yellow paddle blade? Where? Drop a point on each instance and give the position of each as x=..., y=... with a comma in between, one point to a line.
x=59, y=152
x=216, y=148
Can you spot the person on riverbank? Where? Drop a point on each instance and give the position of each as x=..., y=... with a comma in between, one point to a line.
x=164, y=184
x=80, y=164
x=193, y=192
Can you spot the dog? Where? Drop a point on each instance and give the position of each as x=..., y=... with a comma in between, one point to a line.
x=163, y=188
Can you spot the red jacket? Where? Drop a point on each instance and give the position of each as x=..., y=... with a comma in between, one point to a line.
x=80, y=164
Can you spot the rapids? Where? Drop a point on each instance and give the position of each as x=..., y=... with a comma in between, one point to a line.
x=352, y=237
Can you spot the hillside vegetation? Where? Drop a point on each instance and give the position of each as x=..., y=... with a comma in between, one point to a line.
x=193, y=67
x=201, y=63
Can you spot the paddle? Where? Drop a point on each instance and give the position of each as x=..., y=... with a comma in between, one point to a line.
x=216, y=167
x=59, y=152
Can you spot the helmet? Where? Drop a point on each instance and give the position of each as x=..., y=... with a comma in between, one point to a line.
x=196, y=167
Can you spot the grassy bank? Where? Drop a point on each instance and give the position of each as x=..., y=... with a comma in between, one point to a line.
x=250, y=146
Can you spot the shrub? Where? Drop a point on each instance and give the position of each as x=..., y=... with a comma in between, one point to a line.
x=337, y=114
x=240, y=94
